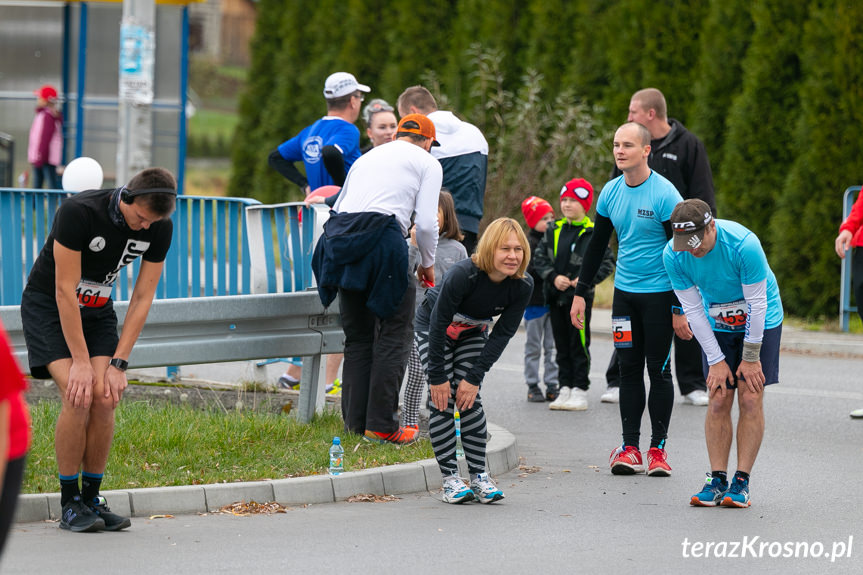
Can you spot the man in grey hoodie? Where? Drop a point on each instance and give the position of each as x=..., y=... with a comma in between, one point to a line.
x=463, y=154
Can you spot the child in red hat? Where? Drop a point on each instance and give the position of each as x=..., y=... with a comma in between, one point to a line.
x=557, y=260
x=538, y=213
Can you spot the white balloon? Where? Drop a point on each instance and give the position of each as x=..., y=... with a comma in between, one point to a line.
x=82, y=174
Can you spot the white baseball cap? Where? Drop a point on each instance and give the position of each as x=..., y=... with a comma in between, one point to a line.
x=342, y=84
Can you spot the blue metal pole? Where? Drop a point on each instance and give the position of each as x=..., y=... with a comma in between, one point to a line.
x=67, y=22
x=82, y=79
x=184, y=91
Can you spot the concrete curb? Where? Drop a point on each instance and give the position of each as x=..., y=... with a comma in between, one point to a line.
x=501, y=457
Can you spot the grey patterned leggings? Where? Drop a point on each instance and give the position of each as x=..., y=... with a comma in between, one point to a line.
x=414, y=388
x=459, y=357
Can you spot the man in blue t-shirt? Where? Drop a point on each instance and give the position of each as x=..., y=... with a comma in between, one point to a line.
x=330, y=146
x=638, y=205
x=730, y=296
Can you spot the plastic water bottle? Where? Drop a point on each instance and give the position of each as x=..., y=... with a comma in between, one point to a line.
x=459, y=450
x=337, y=453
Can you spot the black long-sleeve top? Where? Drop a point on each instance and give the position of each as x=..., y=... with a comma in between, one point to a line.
x=468, y=291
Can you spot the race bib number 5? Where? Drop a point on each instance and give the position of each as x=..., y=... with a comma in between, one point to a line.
x=621, y=329
x=729, y=316
x=92, y=294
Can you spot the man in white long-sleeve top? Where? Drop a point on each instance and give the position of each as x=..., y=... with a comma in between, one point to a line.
x=363, y=257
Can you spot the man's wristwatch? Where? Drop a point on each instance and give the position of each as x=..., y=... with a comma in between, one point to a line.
x=676, y=310
x=120, y=364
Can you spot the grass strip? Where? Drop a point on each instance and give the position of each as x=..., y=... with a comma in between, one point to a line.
x=163, y=445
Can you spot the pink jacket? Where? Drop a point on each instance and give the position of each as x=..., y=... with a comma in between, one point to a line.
x=46, y=138
x=854, y=222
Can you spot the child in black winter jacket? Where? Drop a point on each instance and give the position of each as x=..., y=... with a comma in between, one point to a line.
x=558, y=261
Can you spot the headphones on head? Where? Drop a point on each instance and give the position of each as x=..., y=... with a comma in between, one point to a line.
x=128, y=196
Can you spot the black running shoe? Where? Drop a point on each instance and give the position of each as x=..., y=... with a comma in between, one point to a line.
x=78, y=517
x=113, y=522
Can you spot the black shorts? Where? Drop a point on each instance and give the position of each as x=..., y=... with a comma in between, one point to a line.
x=731, y=345
x=44, y=335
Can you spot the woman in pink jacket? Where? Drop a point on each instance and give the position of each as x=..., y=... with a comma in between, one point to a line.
x=45, y=147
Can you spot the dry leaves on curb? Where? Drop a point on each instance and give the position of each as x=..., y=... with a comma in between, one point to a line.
x=371, y=498
x=528, y=469
x=243, y=509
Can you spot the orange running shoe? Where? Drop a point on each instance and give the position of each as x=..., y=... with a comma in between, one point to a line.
x=401, y=436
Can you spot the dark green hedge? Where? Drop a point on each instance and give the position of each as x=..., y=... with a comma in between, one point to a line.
x=772, y=87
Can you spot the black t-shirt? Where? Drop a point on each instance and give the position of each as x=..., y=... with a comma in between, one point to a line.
x=83, y=223
x=468, y=291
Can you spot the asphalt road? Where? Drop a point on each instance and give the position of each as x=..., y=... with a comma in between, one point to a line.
x=564, y=512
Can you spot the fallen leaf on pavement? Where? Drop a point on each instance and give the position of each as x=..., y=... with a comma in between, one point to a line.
x=371, y=498
x=243, y=509
x=161, y=516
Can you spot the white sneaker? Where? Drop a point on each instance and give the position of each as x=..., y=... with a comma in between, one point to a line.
x=611, y=395
x=484, y=489
x=577, y=400
x=698, y=397
x=455, y=490
x=562, y=397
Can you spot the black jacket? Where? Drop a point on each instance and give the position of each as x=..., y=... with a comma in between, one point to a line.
x=537, y=297
x=682, y=159
x=548, y=268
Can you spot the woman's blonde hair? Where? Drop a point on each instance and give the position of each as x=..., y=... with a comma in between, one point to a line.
x=492, y=238
x=449, y=227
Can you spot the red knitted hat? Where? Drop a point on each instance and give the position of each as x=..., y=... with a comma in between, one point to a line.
x=534, y=209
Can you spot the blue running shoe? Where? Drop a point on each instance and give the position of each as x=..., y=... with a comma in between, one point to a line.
x=484, y=489
x=738, y=494
x=455, y=491
x=711, y=494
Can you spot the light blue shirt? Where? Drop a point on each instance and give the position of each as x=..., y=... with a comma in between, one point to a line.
x=637, y=215
x=737, y=259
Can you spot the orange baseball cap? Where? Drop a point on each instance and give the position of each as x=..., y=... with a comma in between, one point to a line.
x=418, y=124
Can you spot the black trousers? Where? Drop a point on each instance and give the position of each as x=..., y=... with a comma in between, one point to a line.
x=376, y=356
x=857, y=278
x=9, y=496
x=687, y=364
x=650, y=316
x=572, y=346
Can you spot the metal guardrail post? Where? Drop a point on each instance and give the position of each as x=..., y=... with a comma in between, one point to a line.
x=311, y=392
x=845, y=307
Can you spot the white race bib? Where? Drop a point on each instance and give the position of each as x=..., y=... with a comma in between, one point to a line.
x=92, y=294
x=621, y=331
x=729, y=316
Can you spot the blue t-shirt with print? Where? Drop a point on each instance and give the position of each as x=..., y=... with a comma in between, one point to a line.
x=737, y=259
x=309, y=144
x=637, y=214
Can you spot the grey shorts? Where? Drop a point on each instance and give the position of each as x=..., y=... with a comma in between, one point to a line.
x=43, y=333
x=731, y=345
